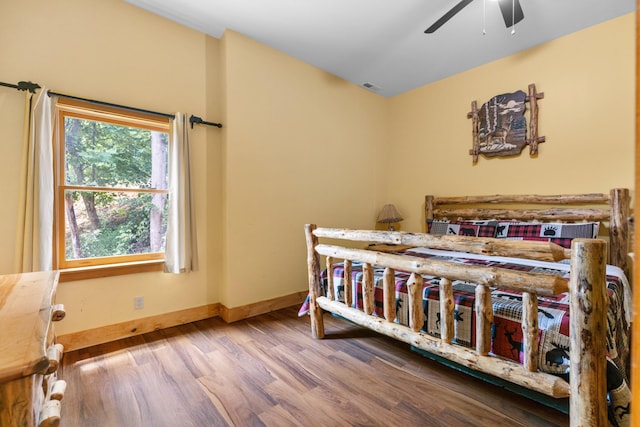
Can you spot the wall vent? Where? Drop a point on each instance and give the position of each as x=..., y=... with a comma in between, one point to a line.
x=372, y=87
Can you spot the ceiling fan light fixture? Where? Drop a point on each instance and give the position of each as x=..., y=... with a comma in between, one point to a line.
x=510, y=9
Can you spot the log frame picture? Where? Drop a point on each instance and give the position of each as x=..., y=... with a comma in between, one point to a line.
x=500, y=125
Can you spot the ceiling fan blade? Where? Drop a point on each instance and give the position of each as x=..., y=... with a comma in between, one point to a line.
x=450, y=14
x=509, y=13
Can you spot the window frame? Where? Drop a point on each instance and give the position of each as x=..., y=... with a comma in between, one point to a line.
x=109, y=265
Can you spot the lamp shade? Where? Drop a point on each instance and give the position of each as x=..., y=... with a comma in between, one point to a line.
x=388, y=214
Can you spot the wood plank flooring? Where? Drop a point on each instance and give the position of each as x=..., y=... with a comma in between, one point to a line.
x=268, y=371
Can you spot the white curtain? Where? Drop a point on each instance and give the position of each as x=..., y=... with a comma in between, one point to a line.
x=181, y=254
x=34, y=240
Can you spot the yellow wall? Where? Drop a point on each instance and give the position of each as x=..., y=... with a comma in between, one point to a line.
x=298, y=144
x=114, y=52
x=587, y=117
x=11, y=120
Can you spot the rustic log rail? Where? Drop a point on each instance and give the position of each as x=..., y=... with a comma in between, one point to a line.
x=587, y=389
x=540, y=251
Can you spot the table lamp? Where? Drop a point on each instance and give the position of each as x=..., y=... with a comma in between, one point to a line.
x=389, y=215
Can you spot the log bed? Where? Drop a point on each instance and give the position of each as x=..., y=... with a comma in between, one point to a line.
x=586, y=288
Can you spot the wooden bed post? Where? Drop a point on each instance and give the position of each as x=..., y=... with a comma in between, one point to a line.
x=389, y=294
x=347, y=282
x=368, y=297
x=416, y=311
x=484, y=319
x=313, y=265
x=530, y=330
x=330, y=290
x=619, y=229
x=588, y=298
x=428, y=211
x=447, y=309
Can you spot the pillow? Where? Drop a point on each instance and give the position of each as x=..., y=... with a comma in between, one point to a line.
x=559, y=233
x=462, y=228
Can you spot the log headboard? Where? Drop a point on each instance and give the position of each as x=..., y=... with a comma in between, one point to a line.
x=613, y=208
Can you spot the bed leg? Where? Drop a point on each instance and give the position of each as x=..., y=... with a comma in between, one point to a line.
x=313, y=265
x=588, y=404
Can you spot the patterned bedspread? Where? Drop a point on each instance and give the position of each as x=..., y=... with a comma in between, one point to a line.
x=553, y=312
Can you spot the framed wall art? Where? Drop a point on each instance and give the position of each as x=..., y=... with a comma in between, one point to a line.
x=500, y=125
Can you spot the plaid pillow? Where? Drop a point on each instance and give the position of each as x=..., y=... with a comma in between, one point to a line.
x=559, y=233
x=462, y=228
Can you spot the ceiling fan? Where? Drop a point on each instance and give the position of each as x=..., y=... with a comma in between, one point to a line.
x=511, y=13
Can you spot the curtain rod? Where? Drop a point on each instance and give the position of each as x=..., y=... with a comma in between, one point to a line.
x=31, y=87
x=109, y=104
x=192, y=119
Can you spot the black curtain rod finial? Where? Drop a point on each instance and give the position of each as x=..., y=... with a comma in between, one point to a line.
x=29, y=86
x=197, y=120
x=193, y=120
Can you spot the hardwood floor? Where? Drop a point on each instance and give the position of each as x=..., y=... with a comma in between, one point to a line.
x=268, y=371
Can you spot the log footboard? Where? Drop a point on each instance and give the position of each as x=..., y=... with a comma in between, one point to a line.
x=588, y=304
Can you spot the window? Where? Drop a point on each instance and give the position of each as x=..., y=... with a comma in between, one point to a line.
x=111, y=185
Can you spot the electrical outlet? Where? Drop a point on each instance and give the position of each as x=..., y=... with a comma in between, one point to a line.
x=138, y=303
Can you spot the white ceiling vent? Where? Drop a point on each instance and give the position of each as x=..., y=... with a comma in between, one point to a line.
x=372, y=87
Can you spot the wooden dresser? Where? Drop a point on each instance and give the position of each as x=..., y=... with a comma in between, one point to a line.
x=30, y=391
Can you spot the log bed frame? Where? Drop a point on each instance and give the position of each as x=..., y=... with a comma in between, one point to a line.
x=587, y=287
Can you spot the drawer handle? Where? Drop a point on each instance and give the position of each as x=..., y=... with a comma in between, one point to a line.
x=50, y=414
x=54, y=354
x=57, y=312
x=58, y=389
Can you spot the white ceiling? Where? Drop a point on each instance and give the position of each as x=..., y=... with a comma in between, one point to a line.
x=383, y=41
